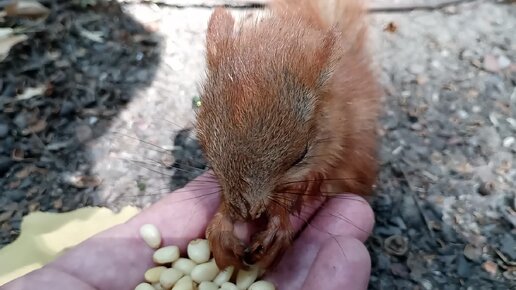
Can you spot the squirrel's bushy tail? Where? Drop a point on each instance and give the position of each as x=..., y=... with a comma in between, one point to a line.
x=348, y=17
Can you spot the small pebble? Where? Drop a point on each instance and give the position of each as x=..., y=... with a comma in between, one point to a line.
x=184, y=265
x=262, y=285
x=151, y=235
x=152, y=275
x=4, y=130
x=490, y=63
x=199, y=251
x=508, y=141
x=83, y=133
x=427, y=285
x=166, y=255
x=67, y=108
x=503, y=62
x=93, y=120
x=463, y=114
x=472, y=253
x=416, y=68
x=205, y=272
x=20, y=121
x=246, y=278
x=144, y=286
x=15, y=195
x=169, y=277
x=5, y=164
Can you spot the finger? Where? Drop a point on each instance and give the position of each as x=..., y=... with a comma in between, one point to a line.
x=350, y=217
x=118, y=257
x=333, y=271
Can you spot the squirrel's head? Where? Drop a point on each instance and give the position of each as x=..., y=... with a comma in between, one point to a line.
x=261, y=105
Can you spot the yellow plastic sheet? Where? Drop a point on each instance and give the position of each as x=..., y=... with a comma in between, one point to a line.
x=44, y=236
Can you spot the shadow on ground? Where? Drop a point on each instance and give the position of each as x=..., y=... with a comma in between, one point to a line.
x=91, y=61
x=445, y=196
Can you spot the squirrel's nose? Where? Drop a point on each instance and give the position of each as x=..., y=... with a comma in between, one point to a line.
x=256, y=211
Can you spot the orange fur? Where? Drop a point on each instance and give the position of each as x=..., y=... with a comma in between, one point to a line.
x=297, y=80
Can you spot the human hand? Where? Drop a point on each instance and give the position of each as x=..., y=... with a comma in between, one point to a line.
x=328, y=254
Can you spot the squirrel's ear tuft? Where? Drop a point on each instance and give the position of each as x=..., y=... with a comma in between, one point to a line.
x=220, y=28
x=325, y=57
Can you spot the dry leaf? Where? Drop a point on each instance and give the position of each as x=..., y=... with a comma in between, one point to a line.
x=490, y=267
x=421, y=79
x=8, y=41
x=17, y=154
x=168, y=160
x=83, y=181
x=31, y=92
x=58, y=204
x=490, y=63
x=391, y=27
x=396, y=245
x=56, y=146
x=6, y=216
x=14, y=184
x=30, y=9
x=33, y=206
x=26, y=171
x=41, y=125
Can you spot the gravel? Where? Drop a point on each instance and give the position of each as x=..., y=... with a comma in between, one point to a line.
x=119, y=112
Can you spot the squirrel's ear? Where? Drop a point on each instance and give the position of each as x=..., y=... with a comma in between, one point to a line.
x=326, y=57
x=220, y=28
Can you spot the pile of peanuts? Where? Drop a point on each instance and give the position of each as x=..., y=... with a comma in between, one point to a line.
x=198, y=271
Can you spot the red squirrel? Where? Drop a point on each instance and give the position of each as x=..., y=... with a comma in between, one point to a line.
x=289, y=113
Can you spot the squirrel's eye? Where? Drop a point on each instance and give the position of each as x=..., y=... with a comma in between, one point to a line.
x=301, y=157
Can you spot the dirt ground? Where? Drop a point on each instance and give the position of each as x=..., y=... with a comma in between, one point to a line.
x=116, y=85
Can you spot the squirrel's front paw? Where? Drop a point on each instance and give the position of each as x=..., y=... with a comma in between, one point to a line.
x=227, y=249
x=268, y=245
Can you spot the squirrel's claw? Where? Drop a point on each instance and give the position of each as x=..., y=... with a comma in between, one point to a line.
x=227, y=249
x=268, y=245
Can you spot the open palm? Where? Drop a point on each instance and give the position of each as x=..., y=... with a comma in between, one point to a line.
x=328, y=254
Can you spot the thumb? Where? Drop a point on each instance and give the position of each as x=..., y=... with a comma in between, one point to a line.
x=342, y=263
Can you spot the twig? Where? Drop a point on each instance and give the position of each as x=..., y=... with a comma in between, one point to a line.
x=416, y=200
